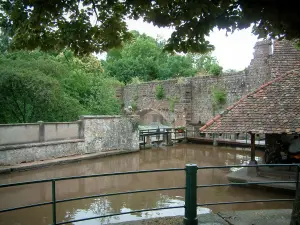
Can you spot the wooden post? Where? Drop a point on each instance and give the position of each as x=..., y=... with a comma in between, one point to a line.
x=252, y=147
x=252, y=171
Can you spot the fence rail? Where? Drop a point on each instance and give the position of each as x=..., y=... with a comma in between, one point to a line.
x=191, y=204
x=176, y=134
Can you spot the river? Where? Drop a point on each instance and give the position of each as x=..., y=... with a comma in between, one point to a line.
x=166, y=157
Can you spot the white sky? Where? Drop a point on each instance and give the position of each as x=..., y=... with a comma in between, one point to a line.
x=233, y=52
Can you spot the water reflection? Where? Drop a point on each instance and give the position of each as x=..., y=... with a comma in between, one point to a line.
x=167, y=157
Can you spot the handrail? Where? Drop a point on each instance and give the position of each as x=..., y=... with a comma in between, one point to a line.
x=121, y=193
x=90, y=176
x=190, y=191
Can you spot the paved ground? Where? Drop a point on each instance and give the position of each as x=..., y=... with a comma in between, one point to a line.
x=249, y=217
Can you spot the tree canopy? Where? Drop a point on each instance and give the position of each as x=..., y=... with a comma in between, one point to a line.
x=143, y=58
x=87, y=26
x=53, y=87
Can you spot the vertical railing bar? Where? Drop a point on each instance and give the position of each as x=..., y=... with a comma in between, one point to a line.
x=297, y=182
x=53, y=202
x=190, y=211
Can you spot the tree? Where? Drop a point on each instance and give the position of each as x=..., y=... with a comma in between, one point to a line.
x=207, y=64
x=53, y=87
x=4, y=41
x=143, y=58
x=67, y=23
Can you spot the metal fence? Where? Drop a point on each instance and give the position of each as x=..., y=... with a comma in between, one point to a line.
x=191, y=203
x=160, y=135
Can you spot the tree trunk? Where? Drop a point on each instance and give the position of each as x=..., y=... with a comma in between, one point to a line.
x=295, y=220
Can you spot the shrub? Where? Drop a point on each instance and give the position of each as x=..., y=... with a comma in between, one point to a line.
x=172, y=102
x=134, y=106
x=215, y=69
x=136, y=80
x=159, y=92
x=219, y=96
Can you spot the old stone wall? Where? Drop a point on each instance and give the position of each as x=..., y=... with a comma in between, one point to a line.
x=285, y=58
x=102, y=133
x=194, y=95
x=97, y=134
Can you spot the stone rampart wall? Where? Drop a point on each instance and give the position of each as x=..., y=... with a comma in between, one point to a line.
x=194, y=95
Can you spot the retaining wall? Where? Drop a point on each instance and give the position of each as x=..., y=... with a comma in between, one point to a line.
x=92, y=134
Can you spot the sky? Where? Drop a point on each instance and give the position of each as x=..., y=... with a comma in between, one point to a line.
x=233, y=52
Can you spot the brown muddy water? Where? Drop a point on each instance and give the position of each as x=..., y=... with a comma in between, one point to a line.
x=167, y=157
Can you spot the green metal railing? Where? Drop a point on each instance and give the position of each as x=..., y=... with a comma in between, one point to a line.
x=190, y=215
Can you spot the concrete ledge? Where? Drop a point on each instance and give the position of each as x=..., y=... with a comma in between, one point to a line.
x=37, y=144
x=247, y=217
x=64, y=160
x=99, y=117
x=242, y=176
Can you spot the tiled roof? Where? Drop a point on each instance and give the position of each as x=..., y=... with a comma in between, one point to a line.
x=272, y=108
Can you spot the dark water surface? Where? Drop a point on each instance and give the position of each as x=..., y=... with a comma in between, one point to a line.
x=169, y=157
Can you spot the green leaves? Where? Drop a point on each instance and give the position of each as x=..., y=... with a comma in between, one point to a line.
x=87, y=26
x=207, y=64
x=53, y=87
x=219, y=98
x=144, y=58
x=159, y=92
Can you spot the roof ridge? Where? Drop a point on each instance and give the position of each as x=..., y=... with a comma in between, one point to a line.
x=210, y=122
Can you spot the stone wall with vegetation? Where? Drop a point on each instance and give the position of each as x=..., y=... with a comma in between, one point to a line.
x=197, y=99
x=94, y=134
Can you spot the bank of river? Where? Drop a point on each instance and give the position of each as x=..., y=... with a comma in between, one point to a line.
x=168, y=157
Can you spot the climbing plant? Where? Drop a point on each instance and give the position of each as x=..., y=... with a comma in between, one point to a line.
x=172, y=101
x=159, y=92
x=219, y=98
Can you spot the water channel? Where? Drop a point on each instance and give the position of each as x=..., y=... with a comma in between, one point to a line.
x=166, y=157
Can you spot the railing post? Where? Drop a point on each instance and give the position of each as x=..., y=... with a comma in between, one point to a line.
x=297, y=178
x=190, y=213
x=53, y=203
x=41, y=131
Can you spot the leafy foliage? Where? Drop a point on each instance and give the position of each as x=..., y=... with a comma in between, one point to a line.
x=172, y=101
x=207, y=64
x=215, y=69
x=136, y=80
x=143, y=58
x=159, y=92
x=53, y=87
x=219, y=98
x=87, y=26
x=4, y=41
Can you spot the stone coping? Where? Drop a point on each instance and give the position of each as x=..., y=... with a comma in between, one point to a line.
x=246, y=217
x=99, y=116
x=38, y=144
